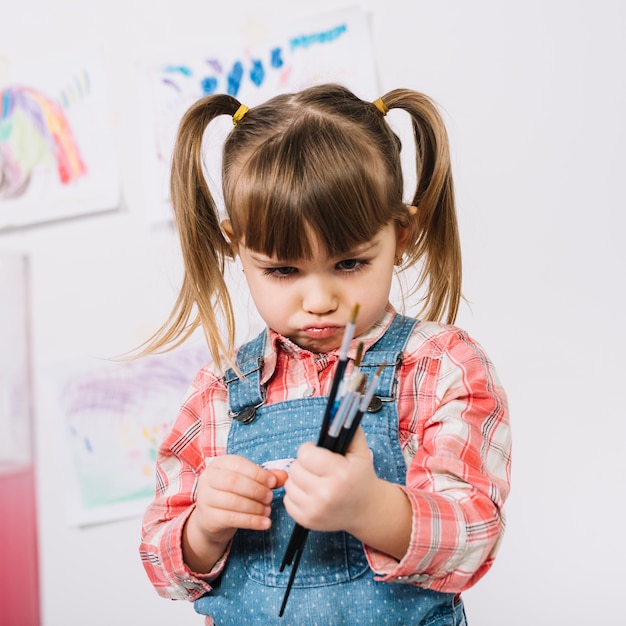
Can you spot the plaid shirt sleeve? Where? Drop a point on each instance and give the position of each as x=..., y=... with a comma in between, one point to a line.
x=197, y=435
x=455, y=435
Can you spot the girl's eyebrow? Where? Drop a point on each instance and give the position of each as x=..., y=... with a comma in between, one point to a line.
x=363, y=248
x=258, y=257
x=368, y=246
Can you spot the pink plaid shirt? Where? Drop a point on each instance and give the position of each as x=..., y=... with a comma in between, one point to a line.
x=453, y=430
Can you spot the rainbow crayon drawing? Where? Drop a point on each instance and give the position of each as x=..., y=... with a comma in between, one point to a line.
x=34, y=133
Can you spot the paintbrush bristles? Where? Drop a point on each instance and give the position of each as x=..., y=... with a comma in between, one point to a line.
x=355, y=312
x=359, y=354
x=347, y=336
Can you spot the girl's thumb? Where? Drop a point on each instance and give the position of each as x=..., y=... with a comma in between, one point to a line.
x=281, y=477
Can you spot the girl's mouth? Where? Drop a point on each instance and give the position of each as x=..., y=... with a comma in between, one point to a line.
x=322, y=332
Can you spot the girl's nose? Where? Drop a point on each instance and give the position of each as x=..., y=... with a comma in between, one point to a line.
x=319, y=296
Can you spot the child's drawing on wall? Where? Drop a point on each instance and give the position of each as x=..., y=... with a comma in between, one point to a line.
x=34, y=135
x=113, y=416
x=267, y=59
x=56, y=152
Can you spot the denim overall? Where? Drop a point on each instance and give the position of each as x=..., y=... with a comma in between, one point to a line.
x=334, y=584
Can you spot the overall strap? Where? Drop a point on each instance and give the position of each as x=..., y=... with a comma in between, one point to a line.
x=387, y=351
x=245, y=392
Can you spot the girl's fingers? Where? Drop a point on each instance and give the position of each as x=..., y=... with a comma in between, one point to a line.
x=243, y=466
x=240, y=476
x=254, y=501
x=234, y=492
x=230, y=483
x=227, y=518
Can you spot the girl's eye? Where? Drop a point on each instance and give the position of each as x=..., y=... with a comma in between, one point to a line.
x=280, y=272
x=351, y=265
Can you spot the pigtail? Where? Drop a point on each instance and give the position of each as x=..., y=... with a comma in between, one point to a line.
x=203, y=299
x=434, y=239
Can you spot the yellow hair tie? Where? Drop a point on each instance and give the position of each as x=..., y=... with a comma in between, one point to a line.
x=381, y=106
x=239, y=113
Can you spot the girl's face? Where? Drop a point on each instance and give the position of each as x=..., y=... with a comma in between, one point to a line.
x=310, y=301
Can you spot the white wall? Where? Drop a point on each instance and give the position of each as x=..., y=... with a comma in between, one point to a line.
x=535, y=97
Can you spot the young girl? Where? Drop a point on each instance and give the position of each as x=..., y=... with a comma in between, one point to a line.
x=412, y=514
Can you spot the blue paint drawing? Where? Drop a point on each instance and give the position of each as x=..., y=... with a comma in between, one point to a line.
x=253, y=67
x=277, y=58
x=208, y=85
x=234, y=79
x=257, y=73
x=178, y=69
x=304, y=41
x=248, y=69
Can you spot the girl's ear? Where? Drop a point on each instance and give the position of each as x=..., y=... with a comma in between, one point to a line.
x=227, y=229
x=403, y=232
x=402, y=239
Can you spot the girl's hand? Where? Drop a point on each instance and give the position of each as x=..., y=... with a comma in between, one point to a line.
x=233, y=492
x=328, y=491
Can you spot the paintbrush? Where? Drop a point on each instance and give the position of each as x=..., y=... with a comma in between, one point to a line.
x=353, y=405
x=346, y=420
x=299, y=533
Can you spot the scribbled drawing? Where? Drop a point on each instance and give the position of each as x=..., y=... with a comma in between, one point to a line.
x=115, y=417
x=332, y=47
x=34, y=133
x=57, y=157
x=249, y=66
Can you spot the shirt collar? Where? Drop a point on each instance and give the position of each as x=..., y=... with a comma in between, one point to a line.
x=275, y=343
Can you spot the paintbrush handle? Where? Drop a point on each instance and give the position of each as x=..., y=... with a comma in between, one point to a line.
x=299, y=534
x=335, y=443
x=292, y=577
x=337, y=377
x=296, y=542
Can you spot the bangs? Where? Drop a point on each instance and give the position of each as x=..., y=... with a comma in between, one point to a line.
x=313, y=179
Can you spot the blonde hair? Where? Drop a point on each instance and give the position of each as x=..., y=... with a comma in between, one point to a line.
x=321, y=160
